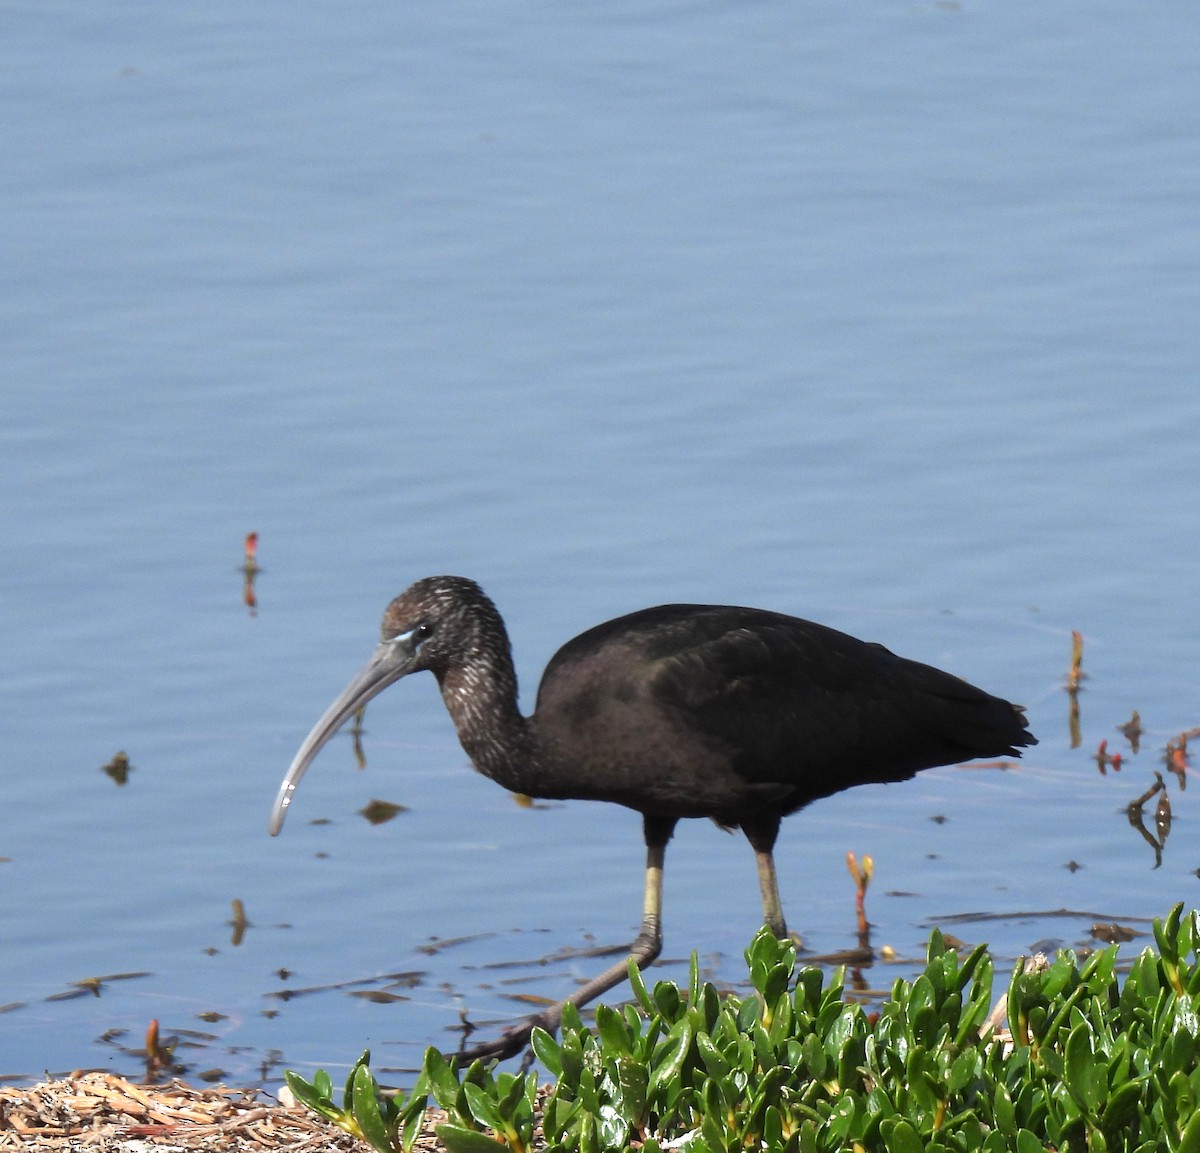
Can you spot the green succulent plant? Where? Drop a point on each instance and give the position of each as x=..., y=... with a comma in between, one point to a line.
x=1092, y=1063
x=387, y=1123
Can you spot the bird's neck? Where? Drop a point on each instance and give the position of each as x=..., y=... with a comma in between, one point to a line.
x=481, y=699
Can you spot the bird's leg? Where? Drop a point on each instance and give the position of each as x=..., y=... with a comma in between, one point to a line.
x=769, y=885
x=644, y=950
x=761, y=833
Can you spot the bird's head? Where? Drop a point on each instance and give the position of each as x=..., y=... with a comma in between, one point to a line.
x=438, y=624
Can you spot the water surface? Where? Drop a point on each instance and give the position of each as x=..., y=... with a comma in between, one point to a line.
x=885, y=319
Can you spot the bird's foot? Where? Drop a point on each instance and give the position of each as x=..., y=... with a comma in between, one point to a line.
x=508, y=1044
x=512, y=1041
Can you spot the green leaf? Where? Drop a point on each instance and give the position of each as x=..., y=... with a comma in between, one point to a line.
x=671, y=1057
x=977, y=957
x=900, y=1137
x=763, y=950
x=747, y=1014
x=637, y=983
x=775, y=984
x=1180, y=1094
x=412, y=1117
x=613, y=1030
x=634, y=1022
x=841, y=1117
x=714, y=1060
x=709, y=1008
x=1121, y=1105
x=633, y=1081
x=807, y=996
x=585, y=1089
x=668, y=1001
x=712, y=1132
x=460, y=1140
x=964, y=1069
x=1166, y=934
x=310, y=1098
x=547, y=1050
x=365, y=1095
x=1028, y=1142
x=1083, y=1073
x=443, y=1080
x=694, y=980
x=1003, y=1112
x=571, y=1059
x=772, y=1128
x=323, y=1084
x=816, y=1062
x=559, y=1118
x=348, y=1092
x=717, y=1097
x=483, y=1108
x=612, y=1128
x=1189, y=1139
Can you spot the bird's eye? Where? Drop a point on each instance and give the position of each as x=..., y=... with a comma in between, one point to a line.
x=413, y=636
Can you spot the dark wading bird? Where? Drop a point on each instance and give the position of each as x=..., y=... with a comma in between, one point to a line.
x=736, y=714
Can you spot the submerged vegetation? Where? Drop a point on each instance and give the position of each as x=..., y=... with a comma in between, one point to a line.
x=1088, y=1063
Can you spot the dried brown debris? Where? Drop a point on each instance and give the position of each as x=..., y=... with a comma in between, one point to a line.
x=102, y=1113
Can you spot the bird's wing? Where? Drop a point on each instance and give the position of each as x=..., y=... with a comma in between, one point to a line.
x=796, y=702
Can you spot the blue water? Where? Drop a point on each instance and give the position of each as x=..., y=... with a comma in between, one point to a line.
x=883, y=316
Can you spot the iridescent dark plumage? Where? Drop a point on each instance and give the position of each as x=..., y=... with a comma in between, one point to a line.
x=736, y=714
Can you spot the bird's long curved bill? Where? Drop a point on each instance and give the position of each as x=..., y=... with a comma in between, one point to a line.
x=386, y=665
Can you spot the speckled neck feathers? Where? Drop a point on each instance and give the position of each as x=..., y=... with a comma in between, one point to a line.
x=468, y=651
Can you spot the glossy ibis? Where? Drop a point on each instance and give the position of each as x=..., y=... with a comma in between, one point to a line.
x=736, y=714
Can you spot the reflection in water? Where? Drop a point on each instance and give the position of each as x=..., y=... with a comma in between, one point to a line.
x=94, y=985
x=1075, y=677
x=356, y=734
x=1132, y=730
x=239, y=922
x=1105, y=759
x=118, y=768
x=1112, y=933
x=1162, y=817
x=1175, y=757
x=159, y=1054
x=250, y=571
x=163, y=1057
x=379, y=812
